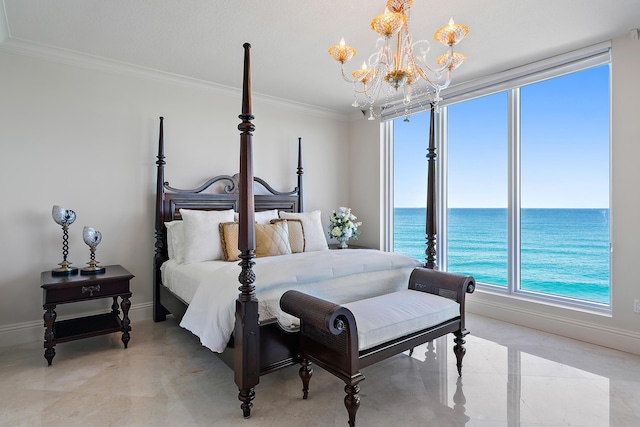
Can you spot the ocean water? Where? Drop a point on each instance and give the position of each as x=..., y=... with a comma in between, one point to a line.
x=563, y=251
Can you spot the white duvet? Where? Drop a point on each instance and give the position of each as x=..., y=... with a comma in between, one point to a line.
x=340, y=276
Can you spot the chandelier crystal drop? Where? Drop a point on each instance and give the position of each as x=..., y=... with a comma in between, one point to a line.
x=399, y=65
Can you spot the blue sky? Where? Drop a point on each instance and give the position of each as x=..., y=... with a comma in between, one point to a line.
x=565, y=147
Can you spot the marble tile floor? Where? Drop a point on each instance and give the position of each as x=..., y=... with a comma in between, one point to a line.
x=512, y=376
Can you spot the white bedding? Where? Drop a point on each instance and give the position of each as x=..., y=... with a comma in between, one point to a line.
x=340, y=276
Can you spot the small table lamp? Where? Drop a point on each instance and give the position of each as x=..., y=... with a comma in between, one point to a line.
x=92, y=238
x=64, y=217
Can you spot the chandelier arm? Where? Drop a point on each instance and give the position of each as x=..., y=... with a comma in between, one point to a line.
x=435, y=84
x=442, y=68
x=344, y=76
x=446, y=83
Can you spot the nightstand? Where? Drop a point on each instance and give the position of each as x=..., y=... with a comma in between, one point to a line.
x=113, y=283
x=337, y=246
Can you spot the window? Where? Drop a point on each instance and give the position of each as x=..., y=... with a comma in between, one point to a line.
x=526, y=172
x=477, y=188
x=411, y=139
x=565, y=185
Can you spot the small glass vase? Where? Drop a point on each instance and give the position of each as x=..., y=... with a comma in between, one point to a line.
x=343, y=242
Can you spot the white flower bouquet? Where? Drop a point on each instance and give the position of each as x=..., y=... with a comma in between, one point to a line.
x=343, y=226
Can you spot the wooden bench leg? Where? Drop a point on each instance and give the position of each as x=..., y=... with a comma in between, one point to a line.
x=305, y=375
x=459, y=349
x=352, y=402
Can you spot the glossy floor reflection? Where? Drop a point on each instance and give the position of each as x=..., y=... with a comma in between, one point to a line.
x=512, y=376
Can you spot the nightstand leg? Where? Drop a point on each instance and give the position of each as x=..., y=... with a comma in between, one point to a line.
x=125, y=305
x=115, y=308
x=49, y=336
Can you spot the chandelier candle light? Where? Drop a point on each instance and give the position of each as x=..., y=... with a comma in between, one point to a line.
x=64, y=217
x=397, y=65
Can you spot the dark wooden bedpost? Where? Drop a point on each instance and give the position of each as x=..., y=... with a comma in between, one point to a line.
x=431, y=195
x=300, y=173
x=247, y=328
x=159, y=312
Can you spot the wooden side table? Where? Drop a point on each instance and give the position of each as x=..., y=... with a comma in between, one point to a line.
x=337, y=246
x=114, y=283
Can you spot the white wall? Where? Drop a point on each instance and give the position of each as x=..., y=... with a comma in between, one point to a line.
x=365, y=190
x=87, y=140
x=626, y=179
x=620, y=329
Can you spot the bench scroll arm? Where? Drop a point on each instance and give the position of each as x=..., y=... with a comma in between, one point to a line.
x=316, y=312
x=442, y=283
x=328, y=325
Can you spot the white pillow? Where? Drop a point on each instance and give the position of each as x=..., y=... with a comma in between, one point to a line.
x=175, y=240
x=261, y=217
x=202, y=234
x=313, y=229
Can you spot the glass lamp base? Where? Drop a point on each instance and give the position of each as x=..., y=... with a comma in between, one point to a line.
x=92, y=270
x=64, y=271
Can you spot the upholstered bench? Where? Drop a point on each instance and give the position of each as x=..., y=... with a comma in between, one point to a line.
x=343, y=339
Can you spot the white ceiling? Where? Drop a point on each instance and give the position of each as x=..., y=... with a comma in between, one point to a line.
x=202, y=39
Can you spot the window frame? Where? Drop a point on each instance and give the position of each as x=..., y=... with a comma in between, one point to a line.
x=509, y=81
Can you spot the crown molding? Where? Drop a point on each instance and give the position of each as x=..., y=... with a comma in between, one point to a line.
x=69, y=57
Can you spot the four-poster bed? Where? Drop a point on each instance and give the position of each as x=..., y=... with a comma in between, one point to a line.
x=257, y=341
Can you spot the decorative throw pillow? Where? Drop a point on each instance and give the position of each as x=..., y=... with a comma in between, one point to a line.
x=272, y=239
x=261, y=217
x=175, y=240
x=229, y=240
x=296, y=234
x=313, y=230
x=202, y=234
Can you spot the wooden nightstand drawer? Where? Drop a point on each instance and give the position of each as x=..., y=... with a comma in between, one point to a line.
x=81, y=292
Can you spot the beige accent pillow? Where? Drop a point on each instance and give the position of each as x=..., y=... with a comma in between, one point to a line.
x=202, y=234
x=314, y=234
x=271, y=240
x=229, y=240
x=296, y=234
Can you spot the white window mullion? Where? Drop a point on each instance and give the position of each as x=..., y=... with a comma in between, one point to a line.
x=513, y=269
x=388, y=185
x=441, y=187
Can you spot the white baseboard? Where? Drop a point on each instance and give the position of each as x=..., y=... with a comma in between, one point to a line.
x=21, y=333
x=594, y=333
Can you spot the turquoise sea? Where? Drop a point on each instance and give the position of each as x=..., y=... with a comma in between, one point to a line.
x=564, y=251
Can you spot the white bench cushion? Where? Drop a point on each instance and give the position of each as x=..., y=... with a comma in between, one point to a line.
x=385, y=317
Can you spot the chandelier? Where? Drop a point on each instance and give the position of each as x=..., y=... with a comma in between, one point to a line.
x=399, y=65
